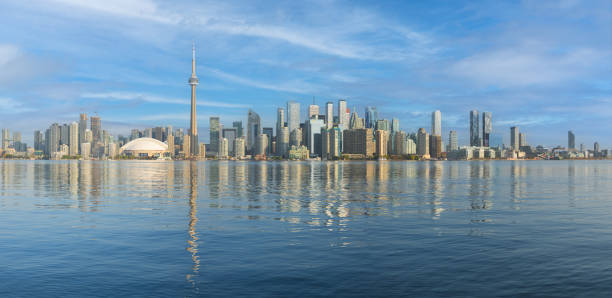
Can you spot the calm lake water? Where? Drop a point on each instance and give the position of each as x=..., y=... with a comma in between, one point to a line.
x=218, y=228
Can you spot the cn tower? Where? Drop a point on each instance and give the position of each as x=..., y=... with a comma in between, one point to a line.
x=193, y=131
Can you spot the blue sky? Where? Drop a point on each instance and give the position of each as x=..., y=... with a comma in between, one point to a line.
x=545, y=66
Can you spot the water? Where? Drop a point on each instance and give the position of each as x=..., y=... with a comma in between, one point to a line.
x=176, y=229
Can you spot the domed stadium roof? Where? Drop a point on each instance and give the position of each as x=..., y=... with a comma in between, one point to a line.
x=145, y=144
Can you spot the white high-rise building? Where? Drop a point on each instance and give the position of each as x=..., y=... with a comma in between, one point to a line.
x=329, y=115
x=313, y=111
x=74, y=138
x=436, y=123
x=293, y=115
x=343, y=115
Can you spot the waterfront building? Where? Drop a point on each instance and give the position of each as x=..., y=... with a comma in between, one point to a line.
x=88, y=136
x=435, y=146
x=411, y=147
x=261, y=145
x=514, y=138
x=171, y=147
x=487, y=128
x=596, y=147
x=381, y=143
x=313, y=135
x=64, y=134
x=452, y=141
x=6, y=135
x=293, y=115
x=474, y=131
x=268, y=131
x=39, y=144
x=383, y=124
x=52, y=136
x=436, y=123
x=298, y=153
x=215, y=134
x=571, y=141
x=85, y=150
x=423, y=143
x=144, y=148
x=193, y=123
x=239, y=146
x=355, y=122
x=202, y=150
x=371, y=115
x=358, y=141
x=253, y=130
x=112, y=150
x=282, y=142
x=224, y=147
x=399, y=143
x=230, y=134
x=74, y=139
x=331, y=143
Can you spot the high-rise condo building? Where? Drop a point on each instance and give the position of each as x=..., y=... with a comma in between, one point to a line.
x=436, y=123
x=514, y=138
x=82, y=128
x=313, y=136
x=193, y=125
x=596, y=147
x=435, y=146
x=422, y=142
x=293, y=115
x=261, y=146
x=487, y=128
x=6, y=136
x=280, y=120
x=96, y=129
x=268, y=131
x=239, y=146
x=395, y=127
x=452, y=141
x=371, y=115
x=282, y=142
x=571, y=141
x=343, y=115
x=238, y=126
x=329, y=114
x=253, y=130
x=358, y=141
x=215, y=134
x=52, y=139
x=522, y=140
x=74, y=139
x=474, y=131
x=39, y=141
x=313, y=111
x=230, y=134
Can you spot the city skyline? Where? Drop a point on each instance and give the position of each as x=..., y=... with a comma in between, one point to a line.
x=138, y=80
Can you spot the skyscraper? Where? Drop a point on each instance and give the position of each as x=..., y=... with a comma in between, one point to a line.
x=238, y=126
x=422, y=142
x=452, y=141
x=371, y=115
x=313, y=111
x=514, y=138
x=293, y=115
x=96, y=129
x=343, y=116
x=522, y=140
x=571, y=141
x=474, y=131
x=280, y=120
x=268, y=131
x=395, y=127
x=329, y=115
x=74, y=139
x=253, y=130
x=436, y=123
x=231, y=135
x=38, y=141
x=6, y=135
x=487, y=128
x=82, y=129
x=193, y=128
x=215, y=134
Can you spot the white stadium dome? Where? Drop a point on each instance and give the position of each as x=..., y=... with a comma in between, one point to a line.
x=144, y=145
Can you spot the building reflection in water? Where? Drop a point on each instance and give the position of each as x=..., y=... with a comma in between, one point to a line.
x=192, y=241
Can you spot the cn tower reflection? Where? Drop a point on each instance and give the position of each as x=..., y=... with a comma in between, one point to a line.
x=193, y=220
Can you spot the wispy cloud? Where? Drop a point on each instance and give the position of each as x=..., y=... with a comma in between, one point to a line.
x=131, y=96
x=11, y=106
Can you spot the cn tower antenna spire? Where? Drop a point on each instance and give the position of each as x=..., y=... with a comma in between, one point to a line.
x=193, y=58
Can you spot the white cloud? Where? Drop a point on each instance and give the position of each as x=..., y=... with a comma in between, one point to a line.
x=158, y=99
x=11, y=106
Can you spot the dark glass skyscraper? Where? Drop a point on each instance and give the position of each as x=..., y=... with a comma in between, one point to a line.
x=474, y=131
x=487, y=128
x=371, y=115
